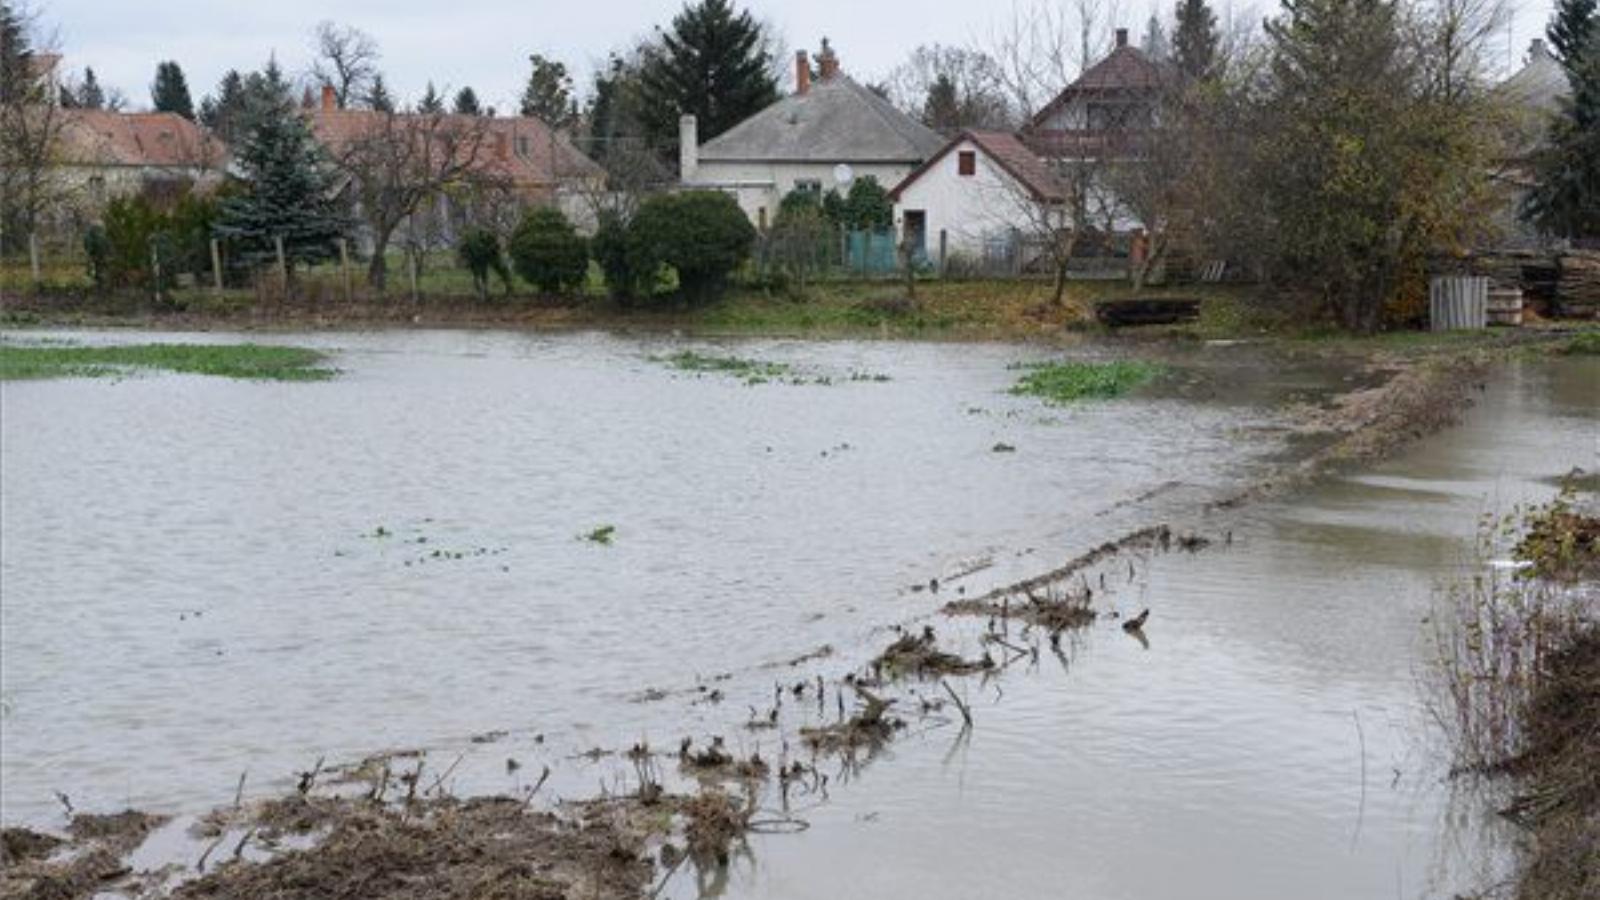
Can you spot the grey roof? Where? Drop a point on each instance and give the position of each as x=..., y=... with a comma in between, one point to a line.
x=837, y=120
x=1539, y=83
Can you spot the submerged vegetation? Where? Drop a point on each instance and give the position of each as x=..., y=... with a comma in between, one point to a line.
x=1066, y=382
x=1516, y=688
x=753, y=371
x=35, y=361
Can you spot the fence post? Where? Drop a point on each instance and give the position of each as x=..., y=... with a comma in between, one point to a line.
x=344, y=265
x=33, y=257
x=155, y=268
x=844, y=249
x=411, y=260
x=283, y=266
x=216, y=267
x=944, y=246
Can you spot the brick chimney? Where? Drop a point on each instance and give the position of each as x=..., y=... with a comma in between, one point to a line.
x=1122, y=37
x=330, y=98
x=828, y=62
x=802, y=72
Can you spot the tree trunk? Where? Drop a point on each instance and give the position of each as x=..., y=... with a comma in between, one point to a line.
x=378, y=269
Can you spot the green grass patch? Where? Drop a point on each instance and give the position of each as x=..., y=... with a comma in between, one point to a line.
x=1585, y=344
x=1067, y=382
x=253, y=361
x=753, y=371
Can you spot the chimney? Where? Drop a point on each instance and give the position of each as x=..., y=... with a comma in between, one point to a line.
x=330, y=98
x=1536, y=50
x=828, y=61
x=688, y=148
x=1122, y=37
x=802, y=72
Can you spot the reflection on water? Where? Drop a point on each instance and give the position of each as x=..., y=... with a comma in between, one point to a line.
x=203, y=577
x=1268, y=742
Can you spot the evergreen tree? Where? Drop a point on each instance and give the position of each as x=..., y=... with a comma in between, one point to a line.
x=170, y=92
x=288, y=186
x=1155, y=44
x=90, y=95
x=1565, y=200
x=713, y=63
x=941, y=111
x=1573, y=29
x=548, y=95
x=467, y=103
x=16, y=57
x=378, y=98
x=431, y=103
x=1194, y=43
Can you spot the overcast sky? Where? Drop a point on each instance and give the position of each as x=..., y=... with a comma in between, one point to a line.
x=485, y=43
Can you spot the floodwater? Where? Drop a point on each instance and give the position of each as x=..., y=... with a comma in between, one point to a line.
x=201, y=578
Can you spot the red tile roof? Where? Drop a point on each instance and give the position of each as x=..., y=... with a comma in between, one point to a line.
x=95, y=137
x=1010, y=154
x=1125, y=70
x=521, y=149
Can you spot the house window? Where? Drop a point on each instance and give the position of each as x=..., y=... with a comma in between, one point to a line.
x=522, y=145
x=808, y=184
x=761, y=215
x=967, y=162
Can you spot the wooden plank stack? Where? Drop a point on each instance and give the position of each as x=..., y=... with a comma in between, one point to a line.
x=1578, y=284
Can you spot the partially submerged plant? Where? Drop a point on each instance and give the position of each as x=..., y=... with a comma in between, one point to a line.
x=601, y=535
x=1066, y=382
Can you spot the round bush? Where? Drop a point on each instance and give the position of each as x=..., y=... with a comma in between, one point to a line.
x=704, y=235
x=547, y=252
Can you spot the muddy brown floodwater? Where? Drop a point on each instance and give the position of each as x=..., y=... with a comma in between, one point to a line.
x=204, y=578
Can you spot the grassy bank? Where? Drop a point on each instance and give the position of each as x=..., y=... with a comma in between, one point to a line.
x=253, y=361
x=1516, y=689
x=1066, y=382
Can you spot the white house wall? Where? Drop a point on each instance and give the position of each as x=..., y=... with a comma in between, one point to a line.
x=970, y=209
x=761, y=185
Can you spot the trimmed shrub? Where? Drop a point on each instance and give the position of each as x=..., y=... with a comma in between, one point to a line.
x=479, y=253
x=548, y=252
x=703, y=235
x=610, y=249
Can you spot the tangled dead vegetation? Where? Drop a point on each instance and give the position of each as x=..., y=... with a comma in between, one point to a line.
x=919, y=654
x=87, y=861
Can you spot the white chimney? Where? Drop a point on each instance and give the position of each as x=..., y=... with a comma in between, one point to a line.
x=688, y=148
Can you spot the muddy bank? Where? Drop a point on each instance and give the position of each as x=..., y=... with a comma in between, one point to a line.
x=877, y=712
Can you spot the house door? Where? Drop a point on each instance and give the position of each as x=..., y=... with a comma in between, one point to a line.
x=916, y=233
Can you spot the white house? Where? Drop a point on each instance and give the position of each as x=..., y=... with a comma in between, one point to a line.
x=976, y=196
x=820, y=137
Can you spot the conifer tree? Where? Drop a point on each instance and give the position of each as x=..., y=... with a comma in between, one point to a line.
x=431, y=103
x=1565, y=200
x=378, y=98
x=548, y=95
x=467, y=103
x=90, y=95
x=170, y=92
x=1194, y=43
x=713, y=63
x=288, y=182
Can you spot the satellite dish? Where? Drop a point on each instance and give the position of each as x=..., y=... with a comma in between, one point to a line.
x=842, y=173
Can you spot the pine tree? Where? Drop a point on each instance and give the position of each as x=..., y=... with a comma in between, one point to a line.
x=467, y=103
x=1573, y=27
x=90, y=95
x=548, y=95
x=1565, y=200
x=17, y=79
x=713, y=63
x=1155, y=44
x=941, y=111
x=431, y=103
x=288, y=182
x=378, y=98
x=1194, y=43
x=170, y=92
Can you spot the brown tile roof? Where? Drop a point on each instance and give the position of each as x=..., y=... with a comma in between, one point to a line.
x=1125, y=70
x=521, y=149
x=95, y=137
x=1010, y=154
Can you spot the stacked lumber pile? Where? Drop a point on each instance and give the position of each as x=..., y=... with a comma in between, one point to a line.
x=1578, y=283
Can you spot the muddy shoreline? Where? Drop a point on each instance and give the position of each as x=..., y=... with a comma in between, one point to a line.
x=386, y=835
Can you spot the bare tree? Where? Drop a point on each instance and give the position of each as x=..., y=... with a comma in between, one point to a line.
x=31, y=124
x=978, y=93
x=1040, y=47
x=401, y=162
x=346, y=59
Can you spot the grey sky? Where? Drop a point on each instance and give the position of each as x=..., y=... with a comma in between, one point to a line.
x=485, y=43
